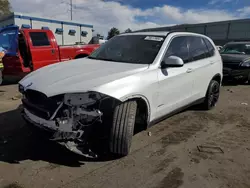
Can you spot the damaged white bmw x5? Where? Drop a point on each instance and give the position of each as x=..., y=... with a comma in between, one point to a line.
x=129, y=83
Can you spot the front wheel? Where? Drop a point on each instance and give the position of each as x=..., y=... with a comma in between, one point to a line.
x=212, y=96
x=122, y=128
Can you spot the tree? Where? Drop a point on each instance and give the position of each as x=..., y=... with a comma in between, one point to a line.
x=113, y=32
x=5, y=7
x=128, y=30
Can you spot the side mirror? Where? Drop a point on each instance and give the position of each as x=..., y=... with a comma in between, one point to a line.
x=172, y=61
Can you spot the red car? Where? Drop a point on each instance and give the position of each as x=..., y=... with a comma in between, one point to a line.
x=27, y=50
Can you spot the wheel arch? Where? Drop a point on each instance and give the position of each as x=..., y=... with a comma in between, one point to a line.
x=82, y=55
x=142, y=101
x=217, y=77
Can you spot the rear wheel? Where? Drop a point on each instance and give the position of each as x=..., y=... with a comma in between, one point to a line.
x=122, y=128
x=212, y=96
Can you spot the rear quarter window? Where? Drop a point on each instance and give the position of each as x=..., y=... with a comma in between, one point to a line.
x=39, y=39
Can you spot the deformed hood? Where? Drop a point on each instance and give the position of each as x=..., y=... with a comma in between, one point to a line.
x=78, y=75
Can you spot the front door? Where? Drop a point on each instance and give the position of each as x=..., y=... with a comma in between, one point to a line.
x=175, y=84
x=43, y=51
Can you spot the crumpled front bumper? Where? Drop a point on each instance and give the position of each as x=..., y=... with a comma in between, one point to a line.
x=49, y=128
x=39, y=122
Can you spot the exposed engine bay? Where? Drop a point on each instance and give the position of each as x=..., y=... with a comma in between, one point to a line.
x=72, y=118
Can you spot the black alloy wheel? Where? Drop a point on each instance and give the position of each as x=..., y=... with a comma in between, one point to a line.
x=212, y=96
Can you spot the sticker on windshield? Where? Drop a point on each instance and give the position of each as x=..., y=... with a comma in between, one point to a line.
x=154, y=38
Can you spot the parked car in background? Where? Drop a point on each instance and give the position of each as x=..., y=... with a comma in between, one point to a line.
x=128, y=84
x=236, y=61
x=97, y=40
x=102, y=41
x=1, y=64
x=30, y=49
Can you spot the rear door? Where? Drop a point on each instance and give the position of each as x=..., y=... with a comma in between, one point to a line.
x=42, y=49
x=202, y=61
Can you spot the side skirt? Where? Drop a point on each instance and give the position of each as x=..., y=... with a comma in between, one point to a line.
x=199, y=101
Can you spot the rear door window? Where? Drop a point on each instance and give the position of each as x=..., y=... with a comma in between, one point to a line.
x=197, y=48
x=39, y=39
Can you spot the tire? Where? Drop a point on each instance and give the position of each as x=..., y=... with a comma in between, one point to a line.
x=212, y=95
x=122, y=128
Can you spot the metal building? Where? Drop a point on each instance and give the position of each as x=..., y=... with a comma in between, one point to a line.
x=66, y=32
x=219, y=32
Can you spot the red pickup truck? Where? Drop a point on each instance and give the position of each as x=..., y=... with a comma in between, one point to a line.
x=27, y=50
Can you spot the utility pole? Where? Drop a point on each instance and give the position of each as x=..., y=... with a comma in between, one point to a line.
x=71, y=9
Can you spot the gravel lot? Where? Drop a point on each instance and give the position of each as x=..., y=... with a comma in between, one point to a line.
x=168, y=158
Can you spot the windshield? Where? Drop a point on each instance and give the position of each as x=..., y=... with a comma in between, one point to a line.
x=236, y=49
x=7, y=37
x=137, y=49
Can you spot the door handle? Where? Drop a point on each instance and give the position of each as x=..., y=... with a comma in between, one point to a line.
x=52, y=51
x=212, y=62
x=189, y=70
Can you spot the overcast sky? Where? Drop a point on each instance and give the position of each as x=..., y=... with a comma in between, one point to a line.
x=136, y=14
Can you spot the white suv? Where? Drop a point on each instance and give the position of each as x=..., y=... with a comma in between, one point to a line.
x=129, y=83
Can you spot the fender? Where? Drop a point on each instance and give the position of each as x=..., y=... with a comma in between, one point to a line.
x=218, y=75
x=136, y=96
x=215, y=77
x=87, y=49
x=82, y=52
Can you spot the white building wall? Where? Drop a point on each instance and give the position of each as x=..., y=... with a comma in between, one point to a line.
x=70, y=39
x=19, y=22
x=89, y=36
x=62, y=39
x=59, y=37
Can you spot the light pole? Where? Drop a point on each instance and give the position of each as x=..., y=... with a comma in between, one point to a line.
x=71, y=9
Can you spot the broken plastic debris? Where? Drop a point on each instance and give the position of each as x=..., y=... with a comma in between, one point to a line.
x=149, y=134
x=244, y=103
x=210, y=149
